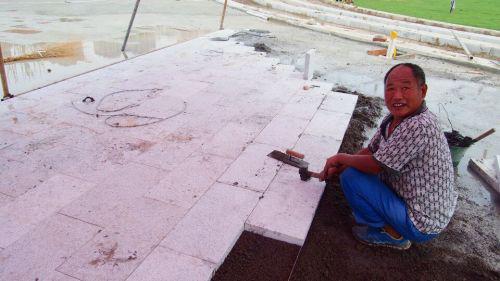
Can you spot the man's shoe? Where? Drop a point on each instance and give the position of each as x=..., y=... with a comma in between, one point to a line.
x=378, y=237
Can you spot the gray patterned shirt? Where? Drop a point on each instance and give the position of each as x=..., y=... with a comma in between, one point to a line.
x=417, y=165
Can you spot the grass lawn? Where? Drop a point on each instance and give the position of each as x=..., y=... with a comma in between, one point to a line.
x=478, y=13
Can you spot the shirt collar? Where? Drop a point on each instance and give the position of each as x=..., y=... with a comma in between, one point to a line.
x=388, y=119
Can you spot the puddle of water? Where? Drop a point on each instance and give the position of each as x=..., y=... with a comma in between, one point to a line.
x=72, y=58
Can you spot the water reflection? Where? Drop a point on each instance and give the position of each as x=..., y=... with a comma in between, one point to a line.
x=82, y=56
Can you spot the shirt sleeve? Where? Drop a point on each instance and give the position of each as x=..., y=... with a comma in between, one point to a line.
x=375, y=142
x=405, y=144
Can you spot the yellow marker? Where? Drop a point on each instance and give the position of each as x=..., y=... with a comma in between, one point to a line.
x=391, y=50
x=394, y=35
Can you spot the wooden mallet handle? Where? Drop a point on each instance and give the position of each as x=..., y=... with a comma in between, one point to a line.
x=294, y=154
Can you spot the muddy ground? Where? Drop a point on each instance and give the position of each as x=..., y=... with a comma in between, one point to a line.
x=469, y=248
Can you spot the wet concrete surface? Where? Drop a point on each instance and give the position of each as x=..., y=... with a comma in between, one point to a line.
x=98, y=28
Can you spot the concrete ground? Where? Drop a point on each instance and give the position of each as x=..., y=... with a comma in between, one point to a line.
x=470, y=96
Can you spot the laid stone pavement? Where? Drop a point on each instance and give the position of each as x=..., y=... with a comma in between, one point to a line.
x=83, y=200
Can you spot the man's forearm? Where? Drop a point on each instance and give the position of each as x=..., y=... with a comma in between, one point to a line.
x=364, y=151
x=363, y=162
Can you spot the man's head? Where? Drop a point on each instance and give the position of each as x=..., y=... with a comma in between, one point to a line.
x=405, y=89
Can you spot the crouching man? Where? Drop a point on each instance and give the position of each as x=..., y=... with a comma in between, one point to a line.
x=401, y=187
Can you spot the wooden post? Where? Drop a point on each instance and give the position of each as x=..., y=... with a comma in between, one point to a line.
x=3, y=76
x=223, y=15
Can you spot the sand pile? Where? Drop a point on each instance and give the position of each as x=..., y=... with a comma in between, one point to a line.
x=52, y=50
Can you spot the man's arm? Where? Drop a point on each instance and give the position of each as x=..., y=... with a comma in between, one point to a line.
x=364, y=151
x=363, y=160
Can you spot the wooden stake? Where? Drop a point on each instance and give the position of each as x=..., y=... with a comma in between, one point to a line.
x=3, y=76
x=223, y=15
x=483, y=135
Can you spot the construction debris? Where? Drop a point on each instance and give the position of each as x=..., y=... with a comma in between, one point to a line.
x=487, y=170
x=261, y=47
x=379, y=38
x=309, y=64
x=377, y=52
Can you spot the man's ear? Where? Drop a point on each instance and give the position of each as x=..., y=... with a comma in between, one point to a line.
x=423, y=88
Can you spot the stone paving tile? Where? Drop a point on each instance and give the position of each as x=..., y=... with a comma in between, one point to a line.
x=24, y=124
x=70, y=115
x=340, y=102
x=287, y=209
x=13, y=183
x=167, y=265
x=328, y=124
x=135, y=228
x=253, y=169
x=176, y=146
x=282, y=131
x=317, y=150
x=214, y=224
x=9, y=138
x=71, y=161
x=154, y=132
x=27, y=146
x=119, y=185
x=240, y=135
x=303, y=105
x=58, y=276
x=5, y=199
x=119, y=149
x=190, y=180
x=70, y=135
x=23, y=214
x=38, y=101
x=36, y=255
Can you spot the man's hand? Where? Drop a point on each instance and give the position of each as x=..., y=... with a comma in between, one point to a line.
x=334, y=166
x=363, y=161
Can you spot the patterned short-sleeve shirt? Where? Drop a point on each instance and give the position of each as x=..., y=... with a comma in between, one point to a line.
x=417, y=165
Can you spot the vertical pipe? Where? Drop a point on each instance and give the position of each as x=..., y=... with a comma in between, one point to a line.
x=223, y=15
x=130, y=24
x=3, y=76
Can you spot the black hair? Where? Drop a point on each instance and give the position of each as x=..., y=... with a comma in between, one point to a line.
x=416, y=70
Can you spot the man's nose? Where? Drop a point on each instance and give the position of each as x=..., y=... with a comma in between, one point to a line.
x=398, y=93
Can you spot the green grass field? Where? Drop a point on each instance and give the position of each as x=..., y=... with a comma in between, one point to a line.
x=478, y=13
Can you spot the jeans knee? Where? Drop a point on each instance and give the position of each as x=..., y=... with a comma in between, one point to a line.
x=348, y=174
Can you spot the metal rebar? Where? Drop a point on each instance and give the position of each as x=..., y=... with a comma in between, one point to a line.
x=130, y=24
x=3, y=76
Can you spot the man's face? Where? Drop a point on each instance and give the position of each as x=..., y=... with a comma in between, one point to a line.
x=403, y=95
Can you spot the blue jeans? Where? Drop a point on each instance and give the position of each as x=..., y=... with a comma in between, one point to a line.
x=375, y=204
